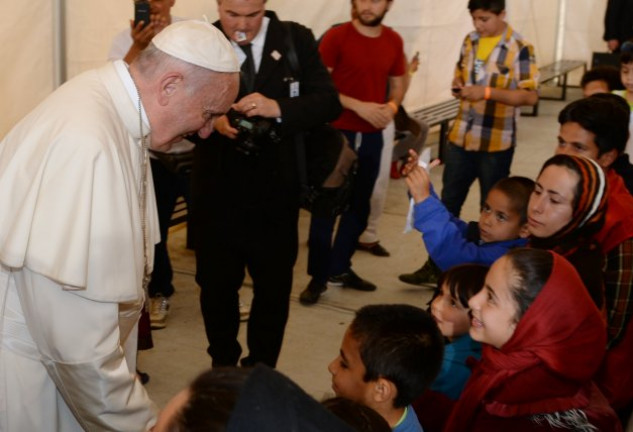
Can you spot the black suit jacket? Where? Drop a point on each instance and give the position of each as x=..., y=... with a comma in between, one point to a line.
x=618, y=20
x=225, y=181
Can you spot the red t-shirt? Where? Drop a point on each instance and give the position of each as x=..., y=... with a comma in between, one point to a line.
x=361, y=67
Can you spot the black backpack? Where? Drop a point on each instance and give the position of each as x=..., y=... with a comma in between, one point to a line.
x=326, y=163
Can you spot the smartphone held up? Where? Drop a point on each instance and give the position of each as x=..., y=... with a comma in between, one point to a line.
x=141, y=12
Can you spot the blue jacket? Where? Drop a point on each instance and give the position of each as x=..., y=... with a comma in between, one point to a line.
x=445, y=237
x=454, y=373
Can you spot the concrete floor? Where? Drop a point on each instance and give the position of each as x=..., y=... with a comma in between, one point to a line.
x=314, y=333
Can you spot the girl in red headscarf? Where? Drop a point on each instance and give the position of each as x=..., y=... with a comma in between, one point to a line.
x=543, y=340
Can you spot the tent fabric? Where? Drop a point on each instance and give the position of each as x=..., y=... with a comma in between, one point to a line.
x=434, y=28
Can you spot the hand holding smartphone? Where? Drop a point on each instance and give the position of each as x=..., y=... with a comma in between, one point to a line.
x=141, y=12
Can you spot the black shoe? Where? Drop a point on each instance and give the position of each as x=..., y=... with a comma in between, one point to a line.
x=247, y=362
x=373, y=248
x=349, y=279
x=142, y=376
x=429, y=273
x=311, y=294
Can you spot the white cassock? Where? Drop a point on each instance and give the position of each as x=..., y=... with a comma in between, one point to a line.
x=72, y=259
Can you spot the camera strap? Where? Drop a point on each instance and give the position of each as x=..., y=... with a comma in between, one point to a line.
x=295, y=69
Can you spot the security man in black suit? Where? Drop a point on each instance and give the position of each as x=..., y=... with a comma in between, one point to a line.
x=245, y=192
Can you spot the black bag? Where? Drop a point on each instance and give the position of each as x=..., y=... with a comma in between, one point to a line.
x=177, y=163
x=327, y=167
x=325, y=161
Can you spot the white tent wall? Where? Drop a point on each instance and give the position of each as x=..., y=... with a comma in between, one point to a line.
x=27, y=74
x=434, y=28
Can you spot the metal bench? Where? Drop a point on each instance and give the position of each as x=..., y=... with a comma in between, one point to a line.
x=179, y=215
x=441, y=114
x=559, y=71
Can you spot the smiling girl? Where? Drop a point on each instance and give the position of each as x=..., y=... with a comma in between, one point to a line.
x=543, y=340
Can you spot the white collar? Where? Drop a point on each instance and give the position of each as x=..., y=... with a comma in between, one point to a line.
x=123, y=71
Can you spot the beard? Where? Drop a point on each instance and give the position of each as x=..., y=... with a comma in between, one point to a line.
x=373, y=22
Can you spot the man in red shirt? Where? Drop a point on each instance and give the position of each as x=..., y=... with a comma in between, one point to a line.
x=364, y=57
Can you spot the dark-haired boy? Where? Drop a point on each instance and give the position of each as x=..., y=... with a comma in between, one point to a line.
x=597, y=127
x=495, y=75
x=601, y=79
x=389, y=356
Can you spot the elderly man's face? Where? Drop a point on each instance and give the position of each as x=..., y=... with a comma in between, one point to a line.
x=193, y=108
x=241, y=19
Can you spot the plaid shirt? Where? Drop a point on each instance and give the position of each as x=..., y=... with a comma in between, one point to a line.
x=487, y=125
x=619, y=290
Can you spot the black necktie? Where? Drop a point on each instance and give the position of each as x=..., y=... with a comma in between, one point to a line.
x=248, y=69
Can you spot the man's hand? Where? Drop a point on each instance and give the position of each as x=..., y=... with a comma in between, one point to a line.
x=256, y=104
x=378, y=115
x=222, y=126
x=456, y=87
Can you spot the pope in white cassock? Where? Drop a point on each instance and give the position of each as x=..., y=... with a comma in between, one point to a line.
x=78, y=224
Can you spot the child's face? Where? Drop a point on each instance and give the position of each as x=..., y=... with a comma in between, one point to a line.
x=494, y=309
x=451, y=317
x=498, y=221
x=348, y=370
x=551, y=203
x=488, y=24
x=626, y=75
x=594, y=87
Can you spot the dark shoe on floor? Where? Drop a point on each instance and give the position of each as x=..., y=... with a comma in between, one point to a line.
x=429, y=273
x=142, y=376
x=311, y=294
x=373, y=248
x=349, y=279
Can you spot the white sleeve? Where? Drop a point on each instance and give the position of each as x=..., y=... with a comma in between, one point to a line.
x=79, y=341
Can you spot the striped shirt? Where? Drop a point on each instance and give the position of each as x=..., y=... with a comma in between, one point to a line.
x=487, y=125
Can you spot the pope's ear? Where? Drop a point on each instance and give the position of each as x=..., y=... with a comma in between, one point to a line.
x=169, y=85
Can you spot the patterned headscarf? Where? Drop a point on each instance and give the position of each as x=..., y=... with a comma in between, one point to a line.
x=589, y=205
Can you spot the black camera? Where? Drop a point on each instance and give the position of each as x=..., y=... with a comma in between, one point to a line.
x=252, y=132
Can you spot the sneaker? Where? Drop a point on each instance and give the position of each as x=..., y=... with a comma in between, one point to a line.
x=429, y=273
x=374, y=248
x=349, y=279
x=158, y=310
x=245, y=312
x=311, y=294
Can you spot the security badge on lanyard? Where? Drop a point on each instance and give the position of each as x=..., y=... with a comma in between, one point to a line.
x=293, y=84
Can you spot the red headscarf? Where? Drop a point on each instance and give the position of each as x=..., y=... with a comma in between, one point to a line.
x=547, y=364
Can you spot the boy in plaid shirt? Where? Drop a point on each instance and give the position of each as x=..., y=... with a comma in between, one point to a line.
x=495, y=75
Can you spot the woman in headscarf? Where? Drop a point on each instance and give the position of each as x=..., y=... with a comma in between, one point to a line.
x=566, y=209
x=543, y=340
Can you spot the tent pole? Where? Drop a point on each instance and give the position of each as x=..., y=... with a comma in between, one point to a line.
x=59, y=43
x=560, y=33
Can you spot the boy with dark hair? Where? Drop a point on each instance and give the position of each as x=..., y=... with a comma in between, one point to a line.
x=495, y=75
x=601, y=79
x=451, y=241
x=389, y=356
x=597, y=127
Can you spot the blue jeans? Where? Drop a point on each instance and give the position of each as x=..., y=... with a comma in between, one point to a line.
x=461, y=169
x=324, y=258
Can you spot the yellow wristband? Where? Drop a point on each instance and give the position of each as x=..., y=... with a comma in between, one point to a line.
x=487, y=93
x=393, y=106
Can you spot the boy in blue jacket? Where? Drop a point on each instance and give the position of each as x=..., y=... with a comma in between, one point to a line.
x=450, y=241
